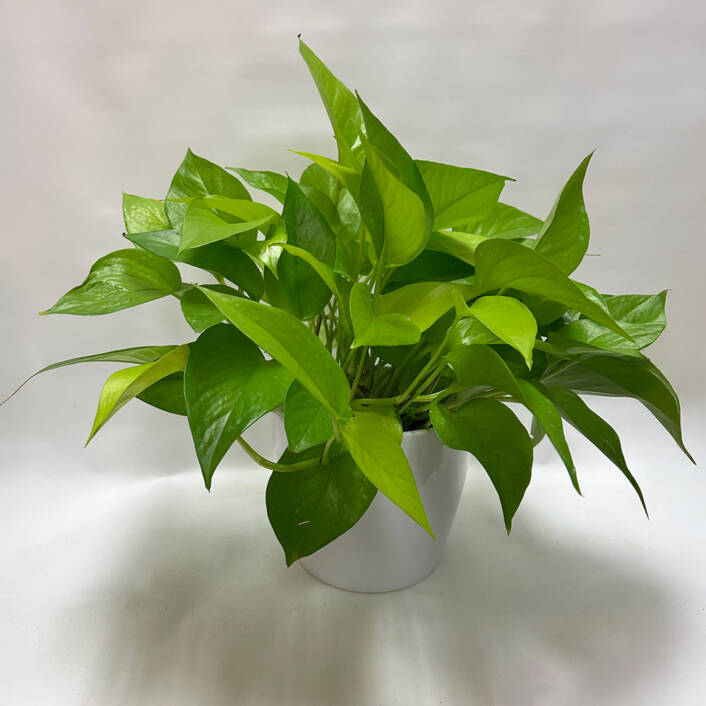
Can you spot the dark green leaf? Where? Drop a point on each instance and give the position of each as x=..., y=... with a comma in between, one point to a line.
x=197, y=177
x=493, y=434
x=122, y=279
x=374, y=440
x=199, y=311
x=290, y=342
x=429, y=266
x=307, y=422
x=228, y=385
x=310, y=508
x=166, y=394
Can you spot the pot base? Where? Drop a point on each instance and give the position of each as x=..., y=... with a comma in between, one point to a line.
x=386, y=550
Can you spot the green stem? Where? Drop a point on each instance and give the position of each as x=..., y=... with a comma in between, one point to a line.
x=424, y=372
x=271, y=465
x=359, y=371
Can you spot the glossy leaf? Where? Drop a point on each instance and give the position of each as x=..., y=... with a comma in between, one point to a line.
x=228, y=385
x=199, y=311
x=126, y=384
x=341, y=106
x=503, y=263
x=563, y=238
x=429, y=266
x=141, y=214
x=503, y=221
x=625, y=377
x=594, y=428
x=348, y=177
x=459, y=194
x=307, y=422
x=120, y=280
x=510, y=320
x=198, y=177
x=493, y=434
x=374, y=440
x=467, y=332
x=218, y=258
x=202, y=225
x=291, y=343
x=166, y=394
x=271, y=182
x=310, y=508
x=383, y=329
x=460, y=245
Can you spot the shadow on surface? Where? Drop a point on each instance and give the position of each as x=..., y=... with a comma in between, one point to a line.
x=193, y=612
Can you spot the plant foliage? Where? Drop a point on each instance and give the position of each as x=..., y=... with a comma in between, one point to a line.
x=384, y=294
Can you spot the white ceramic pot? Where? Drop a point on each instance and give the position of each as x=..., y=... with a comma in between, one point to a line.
x=386, y=550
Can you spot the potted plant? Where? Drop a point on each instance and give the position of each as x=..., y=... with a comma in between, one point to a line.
x=393, y=311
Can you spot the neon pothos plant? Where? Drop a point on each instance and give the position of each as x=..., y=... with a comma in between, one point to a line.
x=389, y=294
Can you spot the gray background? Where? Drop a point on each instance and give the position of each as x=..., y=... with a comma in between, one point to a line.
x=100, y=545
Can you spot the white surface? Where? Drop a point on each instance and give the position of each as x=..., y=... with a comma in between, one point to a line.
x=122, y=581
x=386, y=550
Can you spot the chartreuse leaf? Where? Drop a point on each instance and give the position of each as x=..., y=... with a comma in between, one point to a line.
x=423, y=302
x=617, y=376
x=459, y=194
x=310, y=508
x=202, y=225
x=125, y=384
x=219, y=258
x=228, y=385
x=374, y=440
x=493, y=434
x=291, y=343
x=271, y=182
x=199, y=311
x=304, y=291
x=307, y=422
x=141, y=214
x=120, y=280
x=469, y=331
x=399, y=226
x=348, y=177
x=640, y=315
x=460, y=245
x=197, y=177
x=479, y=365
x=166, y=394
x=341, y=106
x=563, y=238
x=503, y=221
x=504, y=264
x=510, y=320
x=139, y=354
x=371, y=329
x=594, y=428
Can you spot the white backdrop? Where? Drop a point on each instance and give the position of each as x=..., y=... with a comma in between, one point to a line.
x=122, y=580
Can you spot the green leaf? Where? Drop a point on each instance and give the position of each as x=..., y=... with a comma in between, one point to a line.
x=202, y=225
x=139, y=354
x=459, y=194
x=125, y=384
x=197, y=177
x=429, y=266
x=305, y=292
x=503, y=263
x=594, y=428
x=563, y=238
x=615, y=376
x=120, y=280
x=503, y=221
x=310, y=508
x=341, y=106
x=141, y=214
x=166, y=394
x=460, y=245
x=378, y=329
x=307, y=422
x=374, y=440
x=270, y=182
x=199, y=311
x=218, y=258
x=291, y=343
x=467, y=332
x=348, y=177
x=547, y=415
x=510, y=320
x=228, y=385
x=423, y=302
x=639, y=315
x=493, y=434
x=402, y=228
